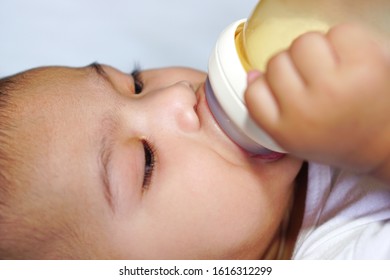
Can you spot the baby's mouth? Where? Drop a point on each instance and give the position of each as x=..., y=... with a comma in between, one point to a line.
x=272, y=156
x=212, y=129
x=208, y=121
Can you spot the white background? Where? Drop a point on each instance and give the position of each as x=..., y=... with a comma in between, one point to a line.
x=120, y=33
x=109, y=270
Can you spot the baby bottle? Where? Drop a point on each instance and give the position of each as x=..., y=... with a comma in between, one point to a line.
x=249, y=44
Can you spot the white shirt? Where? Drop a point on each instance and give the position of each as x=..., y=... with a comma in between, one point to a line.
x=346, y=217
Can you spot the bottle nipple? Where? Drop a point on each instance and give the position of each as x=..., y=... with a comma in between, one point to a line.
x=229, y=127
x=225, y=89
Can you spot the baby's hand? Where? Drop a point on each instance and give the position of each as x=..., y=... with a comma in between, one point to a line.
x=327, y=99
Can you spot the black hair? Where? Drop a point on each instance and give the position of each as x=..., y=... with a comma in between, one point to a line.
x=6, y=87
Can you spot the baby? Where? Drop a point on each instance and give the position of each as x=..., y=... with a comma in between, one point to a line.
x=99, y=164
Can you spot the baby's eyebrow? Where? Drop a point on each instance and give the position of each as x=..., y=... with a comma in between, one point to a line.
x=106, y=144
x=108, y=128
x=99, y=70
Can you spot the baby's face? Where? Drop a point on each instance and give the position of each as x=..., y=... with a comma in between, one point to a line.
x=147, y=175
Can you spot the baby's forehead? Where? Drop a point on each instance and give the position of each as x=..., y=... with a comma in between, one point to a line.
x=50, y=79
x=48, y=74
x=28, y=80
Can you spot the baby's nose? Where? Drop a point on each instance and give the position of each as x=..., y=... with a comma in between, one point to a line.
x=178, y=105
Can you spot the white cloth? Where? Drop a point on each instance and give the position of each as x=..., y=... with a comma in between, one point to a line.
x=346, y=217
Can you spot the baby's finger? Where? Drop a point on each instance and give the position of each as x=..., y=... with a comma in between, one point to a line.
x=313, y=56
x=351, y=42
x=261, y=103
x=284, y=81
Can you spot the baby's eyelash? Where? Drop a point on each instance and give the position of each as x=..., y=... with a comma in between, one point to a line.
x=138, y=82
x=150, y=162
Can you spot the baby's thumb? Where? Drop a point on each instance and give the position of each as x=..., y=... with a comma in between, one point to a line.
x=260, y=101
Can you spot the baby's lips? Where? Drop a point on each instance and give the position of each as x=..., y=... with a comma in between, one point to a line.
x=271, y=156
